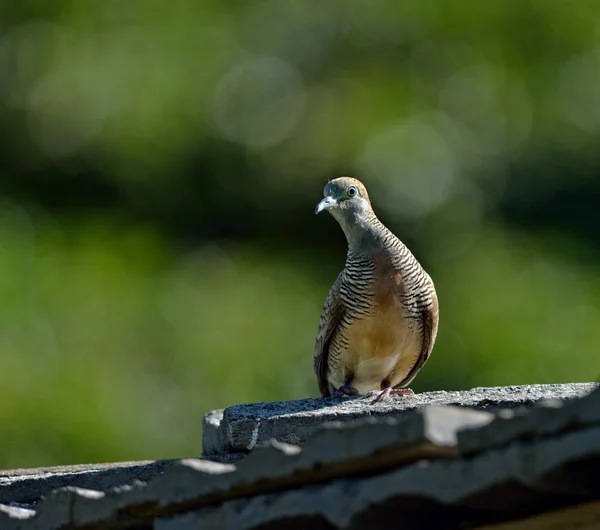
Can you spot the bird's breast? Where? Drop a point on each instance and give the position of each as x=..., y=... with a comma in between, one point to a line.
x=386, y=340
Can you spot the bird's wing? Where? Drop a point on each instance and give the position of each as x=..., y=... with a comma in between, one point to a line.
x=429, y=319
x=333, y=310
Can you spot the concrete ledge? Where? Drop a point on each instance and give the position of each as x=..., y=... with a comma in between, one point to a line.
x=24, y=487
x=492, y=486
x=240, y=428
x=518, y=451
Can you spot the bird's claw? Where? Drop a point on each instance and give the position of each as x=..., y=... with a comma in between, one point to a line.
x=381, y=395
x=345, y=390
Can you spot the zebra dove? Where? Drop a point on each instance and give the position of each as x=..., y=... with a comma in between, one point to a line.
x=380, y=319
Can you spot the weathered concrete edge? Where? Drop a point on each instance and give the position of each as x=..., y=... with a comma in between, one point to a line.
x=544, y=420
x=196, y=470
x=220, y=483
x=344, y=450
x=241, y=428
x=212, y=439
x=524, y=463
x=11, y=517
x=27, y=486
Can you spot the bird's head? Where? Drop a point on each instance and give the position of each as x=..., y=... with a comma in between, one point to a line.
x=346, y=199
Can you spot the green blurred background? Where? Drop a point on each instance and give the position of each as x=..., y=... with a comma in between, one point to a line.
x=160, y=164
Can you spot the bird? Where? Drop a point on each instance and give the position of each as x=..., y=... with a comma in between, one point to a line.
x=380, y=319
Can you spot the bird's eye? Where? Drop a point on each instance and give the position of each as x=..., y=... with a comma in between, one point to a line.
x=352, y=191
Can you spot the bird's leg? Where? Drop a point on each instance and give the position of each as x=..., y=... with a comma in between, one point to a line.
x=346, y=389
x=387, y=390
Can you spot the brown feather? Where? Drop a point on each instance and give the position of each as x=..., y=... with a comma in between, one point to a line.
x=430, y=324
x=333, y=311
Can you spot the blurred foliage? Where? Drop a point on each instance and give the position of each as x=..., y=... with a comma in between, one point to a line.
x=160, y=164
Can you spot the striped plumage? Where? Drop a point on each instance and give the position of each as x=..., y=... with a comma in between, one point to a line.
x=380, y=320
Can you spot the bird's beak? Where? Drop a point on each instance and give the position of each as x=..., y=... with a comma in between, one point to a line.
x=325, y=204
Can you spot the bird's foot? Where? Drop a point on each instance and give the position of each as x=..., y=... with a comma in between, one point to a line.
x=381, y=395
x=345, y=390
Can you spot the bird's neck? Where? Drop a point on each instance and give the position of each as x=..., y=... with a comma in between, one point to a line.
x=362, y=231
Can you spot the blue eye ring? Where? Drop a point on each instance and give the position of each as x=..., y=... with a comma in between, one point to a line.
x=352, y=191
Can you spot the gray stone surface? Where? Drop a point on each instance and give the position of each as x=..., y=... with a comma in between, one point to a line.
x=211, y=433
x=359, y=466
x=11, y=517
x=340, y=450
x=549, y=418
x=518, y=479
x=243, y=427
x=27, y=486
